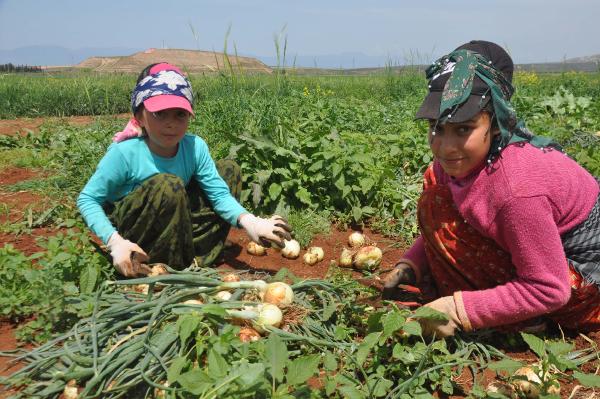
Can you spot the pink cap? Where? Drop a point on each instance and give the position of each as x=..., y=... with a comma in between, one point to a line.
x=166, y=101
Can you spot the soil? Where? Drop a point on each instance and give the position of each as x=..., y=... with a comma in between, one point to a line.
x=22, y=126
x=237, y=258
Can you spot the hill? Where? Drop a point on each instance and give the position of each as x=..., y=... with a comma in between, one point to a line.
x=191, y=61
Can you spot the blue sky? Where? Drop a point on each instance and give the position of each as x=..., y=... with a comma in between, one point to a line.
x=532, y=31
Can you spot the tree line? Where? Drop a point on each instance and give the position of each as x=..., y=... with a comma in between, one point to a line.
x=19, y=68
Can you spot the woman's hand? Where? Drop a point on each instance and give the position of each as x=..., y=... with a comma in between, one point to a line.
x=127, y=256
x=266, y=231
x=403, y=273
x=442, y=328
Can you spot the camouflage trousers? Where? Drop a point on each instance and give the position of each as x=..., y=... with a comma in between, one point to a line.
x=173, y=223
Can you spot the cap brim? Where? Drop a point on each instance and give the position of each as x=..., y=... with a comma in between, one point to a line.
x=430, y=108
x=166, y=101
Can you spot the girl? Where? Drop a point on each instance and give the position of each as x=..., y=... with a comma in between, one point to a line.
x=158, y=192
x=510, y=226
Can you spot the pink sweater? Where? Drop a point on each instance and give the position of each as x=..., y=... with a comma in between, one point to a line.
x=530, y=199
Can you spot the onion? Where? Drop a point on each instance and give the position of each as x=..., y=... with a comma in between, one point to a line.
x=255, y=249
x=230, y=277
x=501, y=388
x=160, y=393
x=70, y=391
x=223, y=295
x=193, y=302
x=141, y=288
x=278, y=293
x=317, y=251
x=158, y=269
x=368, y=257
x=269, y=315
x=248, y=334
x=310, y=259
x=530, y=386
x=291, y=250
x=356, y=239
x=346, y=258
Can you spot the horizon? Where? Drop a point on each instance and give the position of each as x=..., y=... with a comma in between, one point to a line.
x=346, y=34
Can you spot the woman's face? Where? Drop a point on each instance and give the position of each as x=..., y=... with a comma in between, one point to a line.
x=165, y=129
x=461, y=147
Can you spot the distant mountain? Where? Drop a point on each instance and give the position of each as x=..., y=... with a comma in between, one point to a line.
x=56, y=55
x=589, y=58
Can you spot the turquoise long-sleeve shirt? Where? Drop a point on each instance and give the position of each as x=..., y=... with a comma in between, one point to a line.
x=129, y=163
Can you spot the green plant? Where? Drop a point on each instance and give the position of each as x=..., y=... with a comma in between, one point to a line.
x=41, y=285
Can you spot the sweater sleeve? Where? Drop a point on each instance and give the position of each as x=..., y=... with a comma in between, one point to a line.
x=416, y=254
x=108, y=179
x=525, y=227
x=214, y=186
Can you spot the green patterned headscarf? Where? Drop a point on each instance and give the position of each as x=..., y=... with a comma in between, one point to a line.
x=467, y=65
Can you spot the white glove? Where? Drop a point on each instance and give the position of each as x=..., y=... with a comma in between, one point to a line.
x=122, y=252
x=266, y=231
x=448, y=306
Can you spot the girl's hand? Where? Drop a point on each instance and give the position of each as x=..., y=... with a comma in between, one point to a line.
x=122, y=252
x=266, y=231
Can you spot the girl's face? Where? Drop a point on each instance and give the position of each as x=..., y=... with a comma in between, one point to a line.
x=461, y=147
x=165, y=129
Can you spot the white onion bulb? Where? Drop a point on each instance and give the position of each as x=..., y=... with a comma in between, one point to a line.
x=368, y=257
x=310, y=258
x=223, y=295
x=158, y=269
x=529, y=387
x=255, y=249
x=317, y=251
x=269, y=315
x=193, y=302
x=291, y=249
x=278, y=293
x=346, y=258
x=70, y=391
x=356, y=240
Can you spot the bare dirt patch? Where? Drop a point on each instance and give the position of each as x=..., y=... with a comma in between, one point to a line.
x=22, y=126
x=15, y=205
x=12, y=175
x=27, y=243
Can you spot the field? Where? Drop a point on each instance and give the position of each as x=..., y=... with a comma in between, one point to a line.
x=331, y=153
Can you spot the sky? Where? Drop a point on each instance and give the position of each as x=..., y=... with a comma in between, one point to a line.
x=403, y=31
